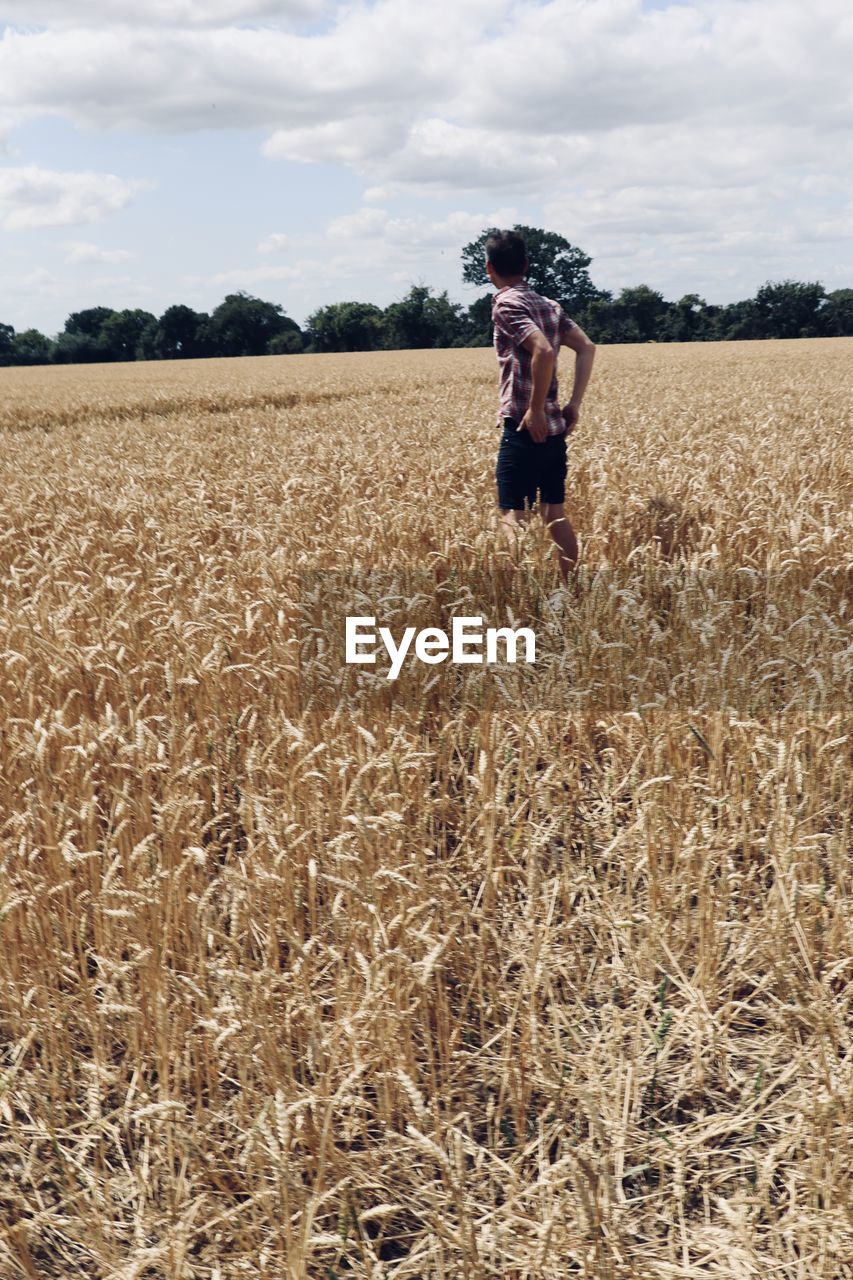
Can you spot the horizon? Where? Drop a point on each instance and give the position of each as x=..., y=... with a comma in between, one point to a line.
x=54, y=335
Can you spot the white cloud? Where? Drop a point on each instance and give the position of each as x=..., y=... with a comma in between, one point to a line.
x=352, y=226
x=40, y=279
x=151, y=13
x=274, y=244
x=734, y=110
x=123, y=283
x=34, y=197
x=476, y=95
x=415, y=234
x=361, y=140
x=840, y=228
x=78, y=251
x=240, y=277
x=448, y=156
x=175, y=79
x=694, y=140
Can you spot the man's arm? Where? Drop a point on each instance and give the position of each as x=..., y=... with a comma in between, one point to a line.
x=584, y=349
x=542, y=364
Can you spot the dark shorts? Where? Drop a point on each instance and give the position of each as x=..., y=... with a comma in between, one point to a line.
x=523, y=467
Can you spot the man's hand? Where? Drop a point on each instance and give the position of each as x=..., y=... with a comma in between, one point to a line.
x=571, y=413
x=536, y=423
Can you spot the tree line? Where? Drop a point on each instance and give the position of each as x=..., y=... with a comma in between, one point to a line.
x=243, y=325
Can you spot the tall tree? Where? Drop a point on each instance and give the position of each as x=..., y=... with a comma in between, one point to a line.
x=31, y=347
x=423, y=319
x=346, y=326
x=645, y=308
x=81, y=341
x=7, y=340
x=478, y=322
x=243, y=326
x=789, y=309
x=605, y=321
x=122, y=332
x=738, y=321
x=178, y=333
x=146, y=344
x=288, y=343
x=837, y=316
x=558, y=269
x=76, y=348
x=687, y=321
x=88, y=322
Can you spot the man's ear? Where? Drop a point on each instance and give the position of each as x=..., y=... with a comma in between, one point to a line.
x=526, y=266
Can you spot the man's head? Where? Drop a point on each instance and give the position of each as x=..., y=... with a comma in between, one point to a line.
x=506, y=258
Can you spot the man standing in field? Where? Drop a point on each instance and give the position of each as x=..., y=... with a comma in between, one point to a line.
x=528, y=333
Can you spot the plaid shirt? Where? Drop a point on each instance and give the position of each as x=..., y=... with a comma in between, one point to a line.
x=518, y=311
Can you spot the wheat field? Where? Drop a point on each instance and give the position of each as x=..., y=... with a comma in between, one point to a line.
x=511, y=971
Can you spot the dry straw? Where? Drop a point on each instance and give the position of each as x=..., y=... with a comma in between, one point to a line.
x=495, y=972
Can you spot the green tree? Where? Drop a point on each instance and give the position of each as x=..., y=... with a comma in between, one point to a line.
x=146, y=346
x=738, y=321
x=687, y=320
x=7, y=341
x=76, y=348
x=178, y=333
x=605, y=322
x=837, y=314
x=638, y=314
x=346, y=326
x=558, y=269
x=122, y=332
x=644, y=309
x=81, y=340
x=478, y=322
x=422, y=319
x=31, y=347
x=288, y=343
x=88, y=322
x=243, y=326
x=789, y=309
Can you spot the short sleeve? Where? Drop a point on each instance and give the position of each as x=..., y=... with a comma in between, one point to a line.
x=566, y=325
x=513, y=319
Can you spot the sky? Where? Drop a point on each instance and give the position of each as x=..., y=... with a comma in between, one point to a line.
x=308, y=152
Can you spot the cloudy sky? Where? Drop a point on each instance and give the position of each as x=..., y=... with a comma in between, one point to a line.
x=156, y=151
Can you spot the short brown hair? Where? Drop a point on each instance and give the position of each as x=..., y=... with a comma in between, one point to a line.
x=506, y=252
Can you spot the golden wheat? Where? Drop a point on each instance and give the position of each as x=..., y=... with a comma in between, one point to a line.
x=484, y=972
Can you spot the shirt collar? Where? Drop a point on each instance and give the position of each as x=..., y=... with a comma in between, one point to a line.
x=522, y=284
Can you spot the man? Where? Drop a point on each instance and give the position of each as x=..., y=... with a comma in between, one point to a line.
x=528, y=333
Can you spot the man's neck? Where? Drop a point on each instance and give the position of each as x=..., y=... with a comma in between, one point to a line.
x=509, y=283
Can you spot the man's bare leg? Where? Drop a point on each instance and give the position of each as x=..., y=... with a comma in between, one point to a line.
x=560, y=528
x=513, y=525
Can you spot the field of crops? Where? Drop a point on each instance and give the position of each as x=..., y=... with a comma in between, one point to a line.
x=485, y=972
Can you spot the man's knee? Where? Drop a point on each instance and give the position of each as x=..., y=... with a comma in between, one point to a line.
x=513, y=519
x=552, y=513
x=560, y=527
